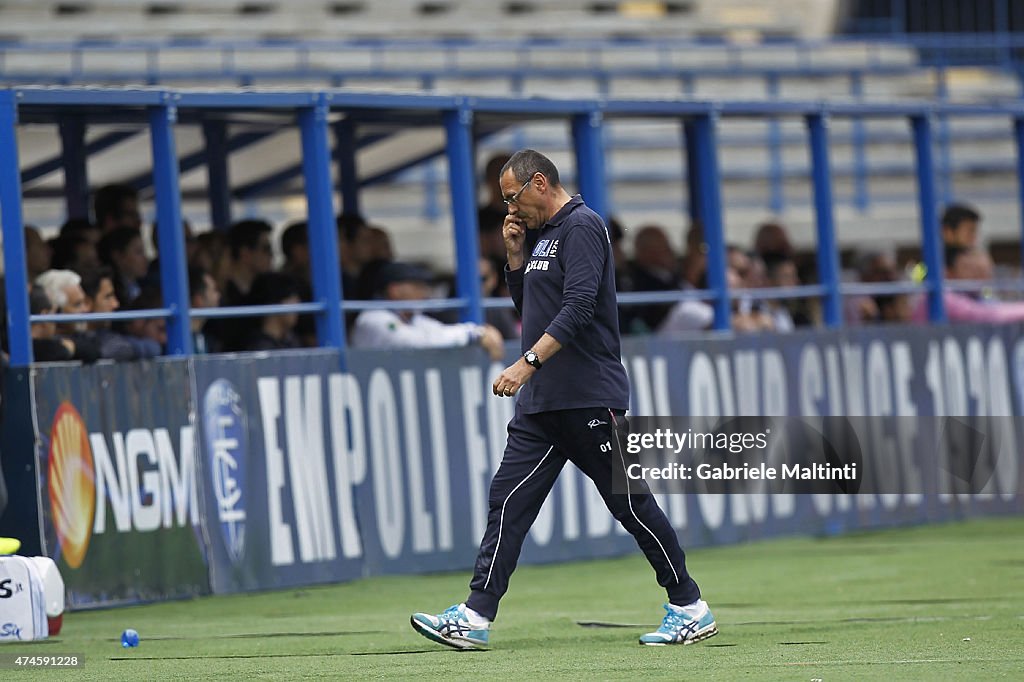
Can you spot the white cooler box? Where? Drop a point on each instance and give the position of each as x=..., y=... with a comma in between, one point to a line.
x=31, y=598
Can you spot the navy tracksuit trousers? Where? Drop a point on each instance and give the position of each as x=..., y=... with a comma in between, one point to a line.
x=538, y=447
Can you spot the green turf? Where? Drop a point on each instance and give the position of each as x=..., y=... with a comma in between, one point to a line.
x=897, y=604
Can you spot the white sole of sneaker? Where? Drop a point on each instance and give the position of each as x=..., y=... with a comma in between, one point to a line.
x=435, y=636
x=699, y=637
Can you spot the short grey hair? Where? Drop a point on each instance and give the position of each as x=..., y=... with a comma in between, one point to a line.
x=526, y=162
x=54, y=283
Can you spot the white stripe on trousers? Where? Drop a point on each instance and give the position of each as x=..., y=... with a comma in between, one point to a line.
x=629, y=499
x=501, y=519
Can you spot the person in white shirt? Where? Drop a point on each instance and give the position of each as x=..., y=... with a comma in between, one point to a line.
x=390, y=329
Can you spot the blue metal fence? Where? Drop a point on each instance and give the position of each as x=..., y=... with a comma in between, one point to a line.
x=159, y=109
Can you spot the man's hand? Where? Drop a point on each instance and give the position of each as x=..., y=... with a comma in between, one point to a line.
x=514, y=234
x=512, y=378
x=493, y=342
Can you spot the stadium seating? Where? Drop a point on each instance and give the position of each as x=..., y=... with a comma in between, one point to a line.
x=48, y=19
x=708, y=50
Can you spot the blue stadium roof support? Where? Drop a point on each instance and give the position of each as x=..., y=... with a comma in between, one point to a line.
x=73, y=159
x=96, y=146
x=345, y=147
x=285, y=175
x=196, y=159
x=218, y=148
x=1018, y=135
x=323, y=231
x=316, y=109
x=170, y=236
x=931, y=242
x=828, y=254
x=15, y=266
x=590, y=160
x=458, y=125
x=282, y=177
x=710, y=200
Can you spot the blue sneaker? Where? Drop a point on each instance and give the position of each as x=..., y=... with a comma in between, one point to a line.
x=451, y=628
x=681, y=628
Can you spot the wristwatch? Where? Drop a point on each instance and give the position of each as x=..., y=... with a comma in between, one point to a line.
x=532, y=358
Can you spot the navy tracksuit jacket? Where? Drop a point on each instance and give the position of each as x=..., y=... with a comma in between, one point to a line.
x=572, y=409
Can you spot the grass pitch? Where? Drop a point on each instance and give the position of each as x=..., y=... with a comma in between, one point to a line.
x=926, y=603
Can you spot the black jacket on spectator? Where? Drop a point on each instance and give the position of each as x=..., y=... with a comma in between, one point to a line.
x=646, y=318
x=261, y=341
x=50, y=350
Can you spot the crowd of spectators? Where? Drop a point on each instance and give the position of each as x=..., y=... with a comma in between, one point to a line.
x=101, y=266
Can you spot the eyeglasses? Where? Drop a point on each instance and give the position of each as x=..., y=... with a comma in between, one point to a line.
x=514, y=199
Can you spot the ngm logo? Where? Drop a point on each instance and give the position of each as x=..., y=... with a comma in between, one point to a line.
x=135, y=473
x=225, y=432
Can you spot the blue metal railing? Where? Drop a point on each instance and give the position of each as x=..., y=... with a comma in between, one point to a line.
x=163, y=109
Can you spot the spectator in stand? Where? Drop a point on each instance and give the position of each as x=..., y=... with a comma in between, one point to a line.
x=387, y=329
x=151, y=329
x=694, y=263
x=379, y=244
x=772, y=241
x=894, y=308
x=504, y=320
x=203, y=293
x=122, y=250
x=47, y=346
x=117, y=206
x=617, y=233
x=64, y=291
x=749, y=266
x=152, y=278
x=251, y=255
x=969, y=264
x=295, y=247
x=378, y=254
x=960, y=226
x=74, y=250
x=654, y=268
x=277, y=331
x=353, y=250
x=781, y=272
x=83, y=228
x=872, y=265
x=38, y=254
x=491, y=213
x=747, y=271
x=98, y=286
x=212, y=255
x=689, y=316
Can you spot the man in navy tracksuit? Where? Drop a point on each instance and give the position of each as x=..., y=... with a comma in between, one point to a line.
x=573, y=395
